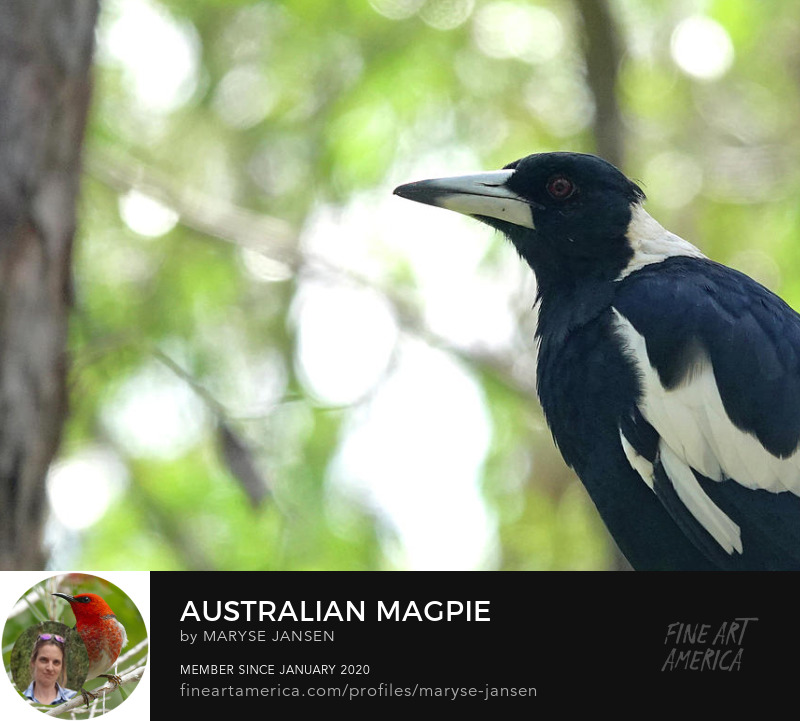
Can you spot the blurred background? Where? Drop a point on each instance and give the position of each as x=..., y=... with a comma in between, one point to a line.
x=276, y=364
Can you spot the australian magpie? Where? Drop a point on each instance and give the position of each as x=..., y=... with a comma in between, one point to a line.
x=670, y=382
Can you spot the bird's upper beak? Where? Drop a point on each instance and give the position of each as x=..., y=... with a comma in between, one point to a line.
x=64, y=596
x=480, y=194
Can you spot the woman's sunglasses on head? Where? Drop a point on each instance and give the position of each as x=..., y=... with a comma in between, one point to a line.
x=51, y=637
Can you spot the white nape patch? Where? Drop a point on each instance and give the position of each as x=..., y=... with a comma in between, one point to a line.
x=638, y=462
x=692, y=421
x=652, y=243
x=722, y=529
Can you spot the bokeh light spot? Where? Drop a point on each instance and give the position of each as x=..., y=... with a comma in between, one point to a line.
x=155, y=414
x=146, y=216
x=515, y=30
x=415, y=453
x=702, y=48
x=81, y=487
x=158, y=54
x=397, y=9
x=446, y=14
x=673, y=179
x=244, y=97
x=345, y=340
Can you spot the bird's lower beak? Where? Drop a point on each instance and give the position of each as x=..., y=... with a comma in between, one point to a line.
x=482, y=195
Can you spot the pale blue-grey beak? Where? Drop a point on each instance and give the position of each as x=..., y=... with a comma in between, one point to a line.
x=479, y=194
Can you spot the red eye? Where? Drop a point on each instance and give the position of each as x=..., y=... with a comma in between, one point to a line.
x=560, y=187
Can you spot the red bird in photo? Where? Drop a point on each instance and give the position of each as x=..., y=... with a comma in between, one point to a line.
x=101, y=632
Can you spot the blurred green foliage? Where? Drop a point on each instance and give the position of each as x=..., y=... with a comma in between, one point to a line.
x=275, y=110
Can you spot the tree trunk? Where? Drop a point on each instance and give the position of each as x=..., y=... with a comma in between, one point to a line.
x=45, y=60
x=602, y=49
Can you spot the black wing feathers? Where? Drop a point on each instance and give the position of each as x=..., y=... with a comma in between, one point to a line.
x=685, y=306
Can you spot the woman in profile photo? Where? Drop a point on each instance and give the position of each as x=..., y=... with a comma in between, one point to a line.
x=49, y=671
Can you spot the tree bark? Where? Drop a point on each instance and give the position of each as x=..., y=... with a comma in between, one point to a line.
x=45, y=59
x=602, y=50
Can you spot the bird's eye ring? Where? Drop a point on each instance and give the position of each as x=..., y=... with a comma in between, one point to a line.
x=560, y=187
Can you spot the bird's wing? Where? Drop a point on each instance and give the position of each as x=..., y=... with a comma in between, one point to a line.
x=716, y=429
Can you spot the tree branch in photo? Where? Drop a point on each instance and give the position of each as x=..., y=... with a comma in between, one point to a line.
x=77, y=701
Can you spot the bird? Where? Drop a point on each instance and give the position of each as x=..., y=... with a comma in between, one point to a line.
x=102, y=635
x=670, y=382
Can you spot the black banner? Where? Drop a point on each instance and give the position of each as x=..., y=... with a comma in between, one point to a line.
x=234, y=642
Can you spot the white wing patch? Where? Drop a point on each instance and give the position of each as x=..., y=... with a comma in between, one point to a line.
x=723, y=530
x=652, y=243
x=696, y=433
x=639, y=463
x=693, y=422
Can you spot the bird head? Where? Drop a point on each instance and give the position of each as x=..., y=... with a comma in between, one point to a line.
x=87, y=606
x=568, y=214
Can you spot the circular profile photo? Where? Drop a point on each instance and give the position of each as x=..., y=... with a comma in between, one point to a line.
x=76, y=642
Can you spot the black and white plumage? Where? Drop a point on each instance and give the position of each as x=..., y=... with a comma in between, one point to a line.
x=671, y=383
